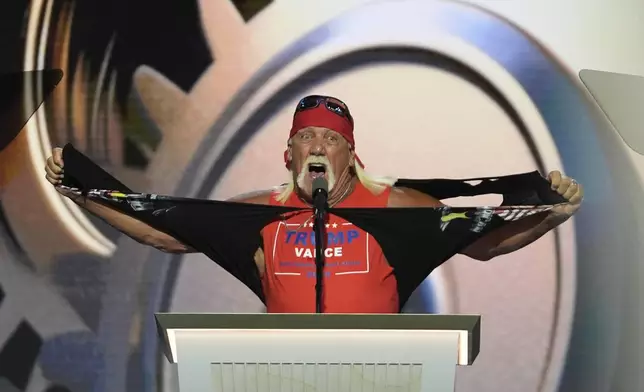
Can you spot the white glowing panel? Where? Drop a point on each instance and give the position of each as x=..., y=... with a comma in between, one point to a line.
x=263, y=352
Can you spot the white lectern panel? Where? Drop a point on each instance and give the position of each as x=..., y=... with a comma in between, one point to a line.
x=311, y=352
x=317, y=360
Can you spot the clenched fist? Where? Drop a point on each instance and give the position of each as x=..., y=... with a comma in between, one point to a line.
x=54, y=172
x=54, y=167
x=570, y=189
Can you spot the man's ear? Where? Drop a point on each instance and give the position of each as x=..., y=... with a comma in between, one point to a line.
x=289, y=153
x=352, y=158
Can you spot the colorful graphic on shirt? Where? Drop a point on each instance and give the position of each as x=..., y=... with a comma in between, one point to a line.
x=346, y=251
x=516, y=213
x=483, y=215
x=449, y=216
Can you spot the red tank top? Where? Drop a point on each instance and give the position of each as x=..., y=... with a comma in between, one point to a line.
x=357, y=277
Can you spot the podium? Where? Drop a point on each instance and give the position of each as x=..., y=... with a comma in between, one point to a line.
x=318, y=352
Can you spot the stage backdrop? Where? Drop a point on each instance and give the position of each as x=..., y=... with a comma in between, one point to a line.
x=194, y=98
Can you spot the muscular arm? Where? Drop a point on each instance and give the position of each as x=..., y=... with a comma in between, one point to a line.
x=406, y=197
x=144, y=233
x=132, y=227
x=513, y=236
x=507, y=239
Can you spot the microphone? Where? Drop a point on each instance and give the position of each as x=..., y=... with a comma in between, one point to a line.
x=320, y=193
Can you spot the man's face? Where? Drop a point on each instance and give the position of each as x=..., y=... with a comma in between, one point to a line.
x=317, y=151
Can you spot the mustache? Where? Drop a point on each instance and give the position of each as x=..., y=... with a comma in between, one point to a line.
x=320, y=159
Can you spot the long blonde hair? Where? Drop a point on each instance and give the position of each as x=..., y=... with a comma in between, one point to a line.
x=374, y=184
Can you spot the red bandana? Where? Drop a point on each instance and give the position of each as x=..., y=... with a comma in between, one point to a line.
x=322, y=117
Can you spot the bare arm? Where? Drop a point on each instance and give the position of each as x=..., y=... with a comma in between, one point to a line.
x=483, y=249
x=132, y=227
x=127, y=225
x=407, y=197
x=140, y=231
x=514, y=235
x=519, y=234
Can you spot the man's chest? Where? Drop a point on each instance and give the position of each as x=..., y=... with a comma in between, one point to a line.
x=346, y=248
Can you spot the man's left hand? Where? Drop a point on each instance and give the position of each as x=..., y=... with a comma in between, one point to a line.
x=570, y=189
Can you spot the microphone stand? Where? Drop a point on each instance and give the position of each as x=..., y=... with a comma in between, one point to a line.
x=320, y=202
x=318, y=226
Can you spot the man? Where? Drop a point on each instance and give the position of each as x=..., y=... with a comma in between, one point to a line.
x=358, y=278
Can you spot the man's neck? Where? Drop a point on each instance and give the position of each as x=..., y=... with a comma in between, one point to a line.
x=341, y=190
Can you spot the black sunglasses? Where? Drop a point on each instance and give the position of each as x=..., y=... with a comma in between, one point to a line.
x=313, y=101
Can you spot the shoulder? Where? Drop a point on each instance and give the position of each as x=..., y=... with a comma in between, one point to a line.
x=256, y=197
x=407, y=197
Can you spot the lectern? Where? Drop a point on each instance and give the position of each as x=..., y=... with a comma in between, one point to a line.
x=318, y=352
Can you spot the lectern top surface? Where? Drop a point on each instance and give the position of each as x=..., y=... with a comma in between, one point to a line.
x=467, y=326
x=317, y=321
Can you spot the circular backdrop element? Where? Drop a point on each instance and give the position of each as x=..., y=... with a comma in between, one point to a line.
x=563, y=107
x=536, y=96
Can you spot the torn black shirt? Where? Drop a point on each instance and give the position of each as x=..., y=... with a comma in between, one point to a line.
x=414, y=240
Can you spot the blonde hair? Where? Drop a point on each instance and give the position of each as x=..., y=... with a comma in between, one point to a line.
x=374, y=184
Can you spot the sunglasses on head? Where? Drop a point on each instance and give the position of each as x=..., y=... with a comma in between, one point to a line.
x=313, y=101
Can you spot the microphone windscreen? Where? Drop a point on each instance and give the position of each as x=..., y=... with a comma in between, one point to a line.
x=320, y=184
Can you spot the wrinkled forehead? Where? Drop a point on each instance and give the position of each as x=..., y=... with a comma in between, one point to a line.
x=317, y=131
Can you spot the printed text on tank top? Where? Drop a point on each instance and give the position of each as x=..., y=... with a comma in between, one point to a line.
x=357, y=277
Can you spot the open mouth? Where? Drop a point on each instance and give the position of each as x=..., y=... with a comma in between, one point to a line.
x=317, y=170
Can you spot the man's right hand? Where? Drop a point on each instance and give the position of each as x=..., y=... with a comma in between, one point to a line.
x=55, y=172
x=130, y=226
x=54, y=167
